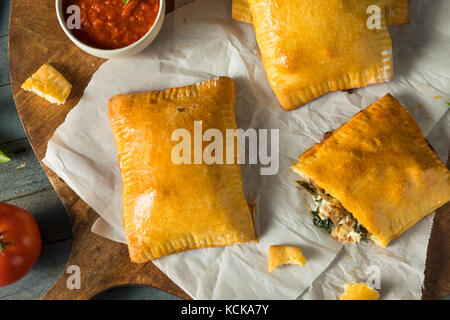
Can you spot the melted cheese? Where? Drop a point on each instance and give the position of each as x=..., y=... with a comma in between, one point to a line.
x=344, y=222
x=344, y=231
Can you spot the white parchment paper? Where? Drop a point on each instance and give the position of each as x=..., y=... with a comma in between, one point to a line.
x=200, y=41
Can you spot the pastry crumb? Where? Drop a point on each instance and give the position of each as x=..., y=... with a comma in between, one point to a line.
x=359, y=291
x=280, y=255
x=49, y=84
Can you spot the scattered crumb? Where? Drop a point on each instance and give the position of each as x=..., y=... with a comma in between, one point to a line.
x=359, y=291
x=417, y=107
x=437, y=97
x=23, y=165
x=49, y=84
x=280, y=255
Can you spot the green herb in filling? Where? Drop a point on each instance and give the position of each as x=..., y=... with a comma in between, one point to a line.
x=326, y=224
x=362, y=232
x=308, y=187
x=364, y=237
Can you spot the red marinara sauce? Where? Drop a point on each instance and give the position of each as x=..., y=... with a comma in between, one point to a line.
x=111, y=24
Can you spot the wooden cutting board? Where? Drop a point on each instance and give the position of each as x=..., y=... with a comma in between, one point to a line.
x=35, y=37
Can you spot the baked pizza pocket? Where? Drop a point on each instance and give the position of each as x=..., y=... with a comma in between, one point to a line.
x=169, y=207
x=312, y=47
x=396, y=11
x=375, y=176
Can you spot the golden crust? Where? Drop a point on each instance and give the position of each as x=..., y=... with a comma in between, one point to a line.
x=397, y=11
x=240, y=11
x=170, y=207
x=380, y=167
x=48, y=83
x=359, y=291
x=312, y=47
x=279, y=255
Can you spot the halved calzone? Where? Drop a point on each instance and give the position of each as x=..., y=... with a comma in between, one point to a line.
x=170, y=207
x=396, y=11
x=375, y=176
x=311, y=47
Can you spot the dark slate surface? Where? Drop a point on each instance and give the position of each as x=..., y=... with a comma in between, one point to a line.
x=24, y=183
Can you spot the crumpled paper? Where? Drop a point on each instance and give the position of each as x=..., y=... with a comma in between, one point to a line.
x=200, y=41
x=422, y=83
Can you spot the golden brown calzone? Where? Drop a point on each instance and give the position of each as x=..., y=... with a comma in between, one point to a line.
x=375, y=176
x=169, y=207
x=311, y=47
x=396, y=11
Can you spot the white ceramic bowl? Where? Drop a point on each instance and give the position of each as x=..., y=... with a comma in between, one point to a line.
x=127, y=51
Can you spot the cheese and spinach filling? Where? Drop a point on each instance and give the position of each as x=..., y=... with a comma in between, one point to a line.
x=331, y=216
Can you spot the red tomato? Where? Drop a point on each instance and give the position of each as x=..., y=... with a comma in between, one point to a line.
x=20, y=243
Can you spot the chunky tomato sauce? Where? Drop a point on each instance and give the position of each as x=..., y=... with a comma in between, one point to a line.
x=111, y=24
